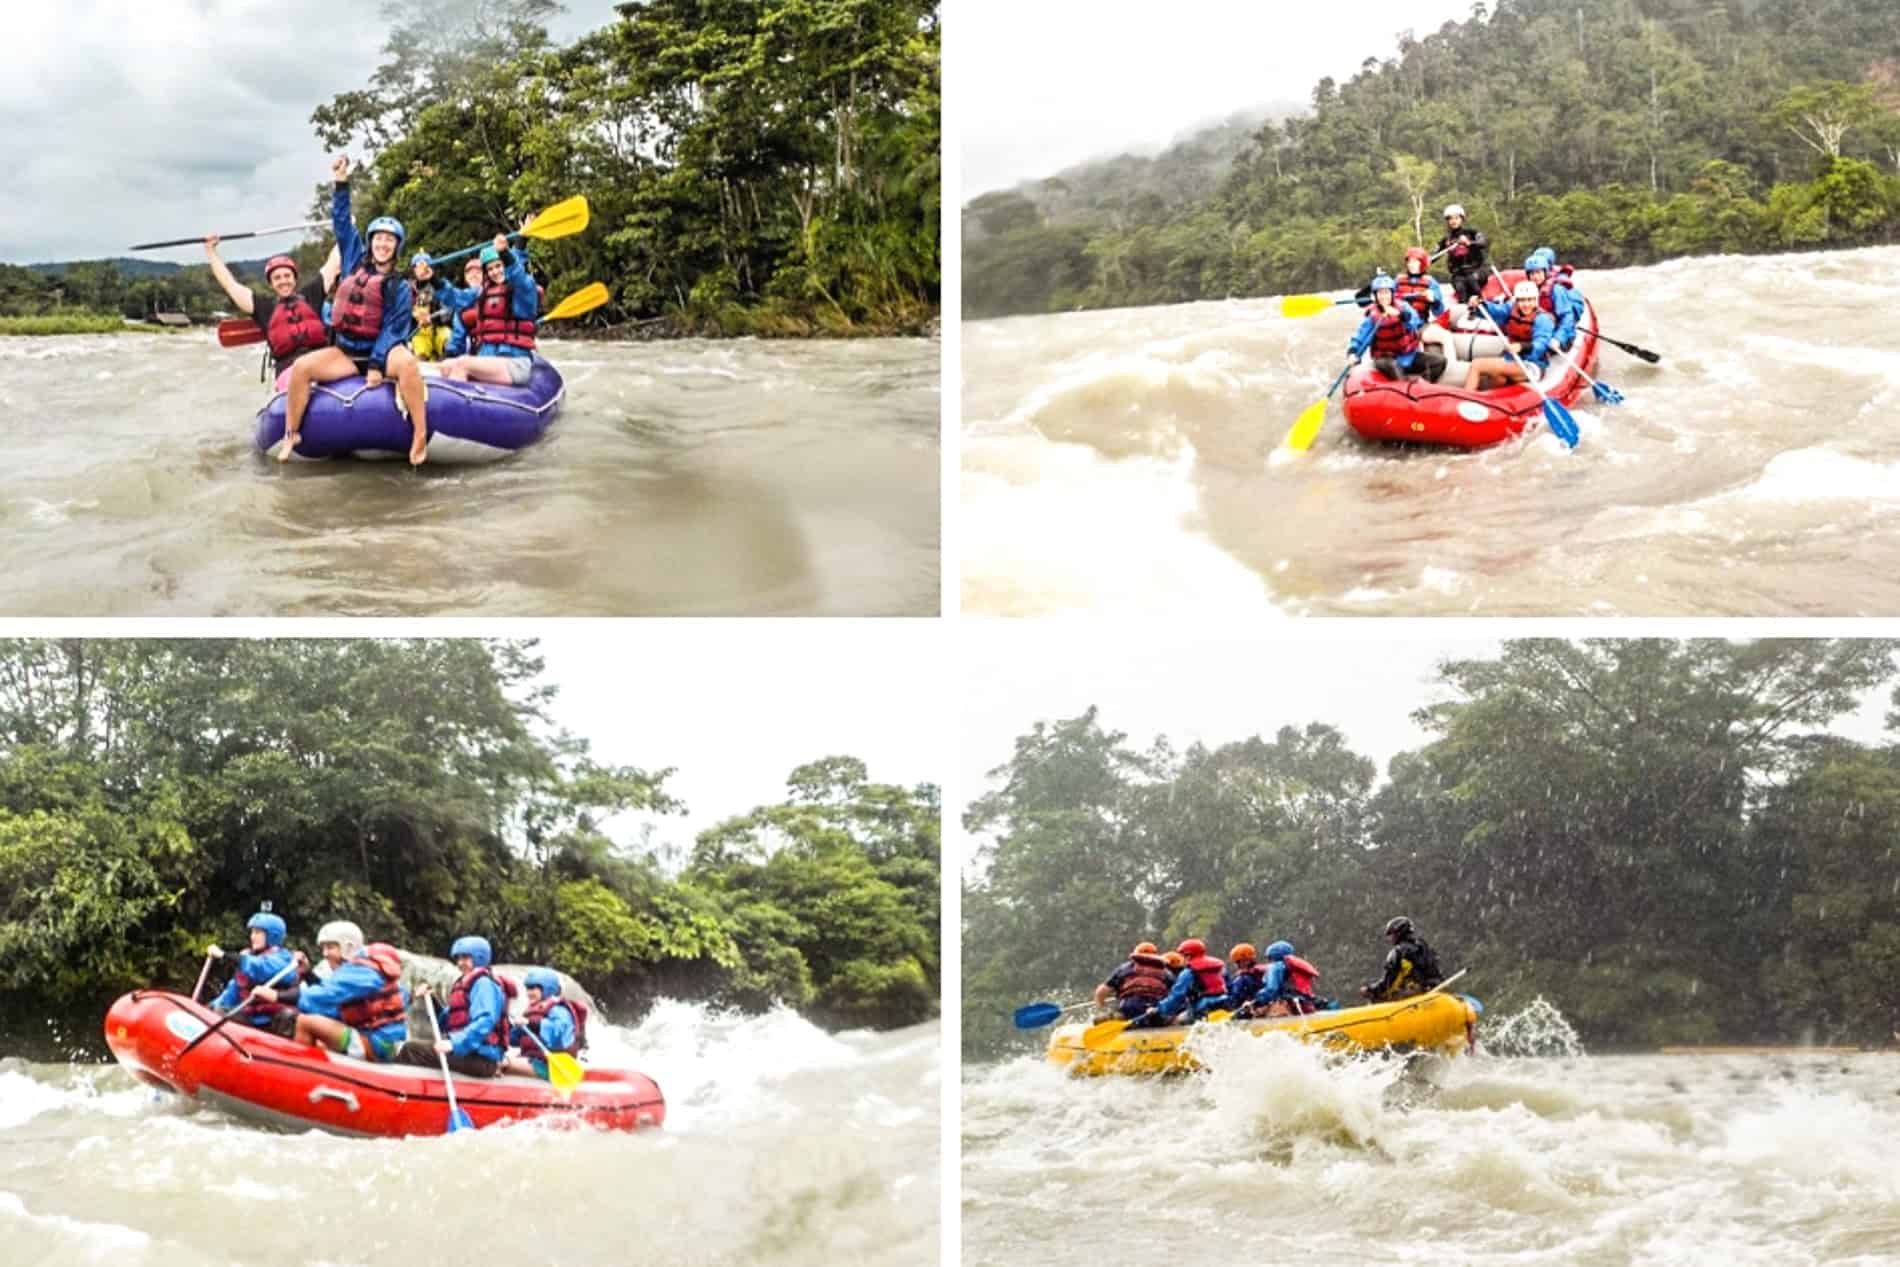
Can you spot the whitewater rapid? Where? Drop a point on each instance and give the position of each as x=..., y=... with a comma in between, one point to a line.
x=1123, y=462
x=783, y=1144
x=1282, y=1155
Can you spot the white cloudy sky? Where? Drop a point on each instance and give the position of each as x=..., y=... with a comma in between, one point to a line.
x=1365, y=680
x=133, y=120
x=735, y=705
x=1039, y=87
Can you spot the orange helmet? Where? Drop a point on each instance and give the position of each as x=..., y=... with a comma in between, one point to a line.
x=1193, y=948
x=1145, y=948
x=1244, y=950
x=1176, y=959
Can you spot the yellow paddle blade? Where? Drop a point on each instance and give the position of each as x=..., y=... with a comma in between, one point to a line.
x=1304, y=305
x=1100, y=1035
x=1217, y=1016
x=586, y=299
x=1300, y=439
x=564, y=1072
x=560, y=220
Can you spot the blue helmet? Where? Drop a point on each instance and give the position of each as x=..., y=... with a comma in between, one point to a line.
x=273, y=926
x=1279, y=950
x=386, y=224
x=475, y=948
x=1550, y=256
x=1381, y=282
x=543, y=980
x=490, y=255
x=1537, y=264
x=421, y=257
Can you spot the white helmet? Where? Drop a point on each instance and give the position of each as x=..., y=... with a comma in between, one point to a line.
x=1524, y=290
x=1456, y=209
x=345, y=934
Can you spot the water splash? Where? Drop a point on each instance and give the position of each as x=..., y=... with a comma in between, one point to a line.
x=1537, y=1030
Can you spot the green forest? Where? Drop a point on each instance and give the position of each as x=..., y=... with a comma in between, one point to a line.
x=1620, y=132
x=763, y=167
x=1658, y=837
x=153, y=794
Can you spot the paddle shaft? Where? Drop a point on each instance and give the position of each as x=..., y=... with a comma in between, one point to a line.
x=212, y=953
x=231, y=237
x=233, y=1014
x=448, y=1080
x=1653, y=358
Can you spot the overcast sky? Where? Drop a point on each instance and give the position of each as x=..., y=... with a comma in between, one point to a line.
x=1040, y=87
x=132, y=120
x=736, y=705
x=1366, y=681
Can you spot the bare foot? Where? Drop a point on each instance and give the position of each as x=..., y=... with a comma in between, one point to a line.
x=289, y=443
x=419, y=448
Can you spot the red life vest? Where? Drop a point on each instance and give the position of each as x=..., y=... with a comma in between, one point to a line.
x=495, y=321
x=537, y=1012
x=374, y=1011
x=1301, y=976
x=360, y=300
x=294, y=328
x=1416, y=291
x=260, y=1010
x=1519, y=328
x=458, y=1007
x=1148, y=979
x=1391, y=336
x=1208, y=972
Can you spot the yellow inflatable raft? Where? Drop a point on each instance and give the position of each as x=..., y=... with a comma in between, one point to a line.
x=1438, y=1022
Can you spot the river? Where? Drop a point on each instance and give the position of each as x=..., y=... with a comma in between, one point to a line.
x=695, y=477
x=783, y=1145
x=1124, y=461
x=1750, y=1160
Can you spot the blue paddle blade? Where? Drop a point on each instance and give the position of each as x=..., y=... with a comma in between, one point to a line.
x=1473, y=1000
x=1562, y=425
x=1036, y=1015
x=1608, y=395
x=460, y=1121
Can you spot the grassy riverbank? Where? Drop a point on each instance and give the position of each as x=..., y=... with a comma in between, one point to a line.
x=74, y=323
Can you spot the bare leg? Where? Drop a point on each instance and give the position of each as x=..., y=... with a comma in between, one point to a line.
x=489, y=369
x=402, y=363
x=320, y=1031
x=1497, y=367
x=456, y=367
x=323, y=366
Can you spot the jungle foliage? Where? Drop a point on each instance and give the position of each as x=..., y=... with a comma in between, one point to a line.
x=1619, y=132
x=1656, y=836
x=153, y=794
x=768, y=168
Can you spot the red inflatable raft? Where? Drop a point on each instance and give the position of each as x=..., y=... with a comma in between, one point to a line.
x=255, y=1074
x=1415, y=411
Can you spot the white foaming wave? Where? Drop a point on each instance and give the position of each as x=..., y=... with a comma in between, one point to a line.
x=1809, y=475
x=717, y=1066
x=1057, y=529
x=23, y=1099
x=1811, y=1137
x=49, y=1234
x=1881, y=363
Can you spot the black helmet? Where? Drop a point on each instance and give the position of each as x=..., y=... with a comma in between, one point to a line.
x=1398, y=925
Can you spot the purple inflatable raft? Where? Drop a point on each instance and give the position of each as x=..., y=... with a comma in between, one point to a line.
x=468, y=422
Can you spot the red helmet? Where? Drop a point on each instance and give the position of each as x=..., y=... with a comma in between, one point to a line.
x=1193, y=948
x=1420, y=254
x=276, y=262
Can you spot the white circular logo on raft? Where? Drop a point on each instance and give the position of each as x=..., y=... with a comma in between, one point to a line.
x=1472, y=411
x=185, y=1025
